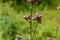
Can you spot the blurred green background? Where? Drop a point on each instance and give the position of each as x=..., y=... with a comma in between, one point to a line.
x=12, y=22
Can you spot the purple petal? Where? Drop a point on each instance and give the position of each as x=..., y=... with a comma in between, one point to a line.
x=39, y=20
x=29, y=1
x=34, y=18
x=38, y=15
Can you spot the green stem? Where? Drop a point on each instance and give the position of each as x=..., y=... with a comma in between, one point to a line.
x=57, y=28
x=35, y=29
x=31, y=23
x=56, y=31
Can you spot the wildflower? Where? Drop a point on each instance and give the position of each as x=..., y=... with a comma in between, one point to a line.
x=28, y=18
x=52, y=38
x=58, y=7
x=34, y=18
x=29, y=1
x=35, y=2
x=18, y=37
x=49, y=38
x=38, y=18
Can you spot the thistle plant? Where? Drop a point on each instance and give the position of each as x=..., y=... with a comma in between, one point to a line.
x=29, y=18
x=38, y=20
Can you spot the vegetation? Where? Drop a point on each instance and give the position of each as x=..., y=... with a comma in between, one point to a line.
x=12, y=22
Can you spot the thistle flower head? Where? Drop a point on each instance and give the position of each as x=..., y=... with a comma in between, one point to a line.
x=35, y=2
x=27, y=17
x=34, y=18
x=37, y=17
x=29, y=1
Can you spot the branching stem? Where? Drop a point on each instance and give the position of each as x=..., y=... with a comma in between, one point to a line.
x=34, y=34
x=31, y=23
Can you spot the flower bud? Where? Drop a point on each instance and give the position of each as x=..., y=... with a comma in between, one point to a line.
x=28, y=18
x=34, y=18
x=38, y=17
x=35, y=2
x=29, y=1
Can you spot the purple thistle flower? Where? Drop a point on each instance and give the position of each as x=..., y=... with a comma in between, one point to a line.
x=27, y=18
x=38, y=18
x=29, y=1
x=35, y=2
x=34, y=18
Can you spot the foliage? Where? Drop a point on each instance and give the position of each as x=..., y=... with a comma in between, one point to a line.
x=12, y=23
x=23, y=5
